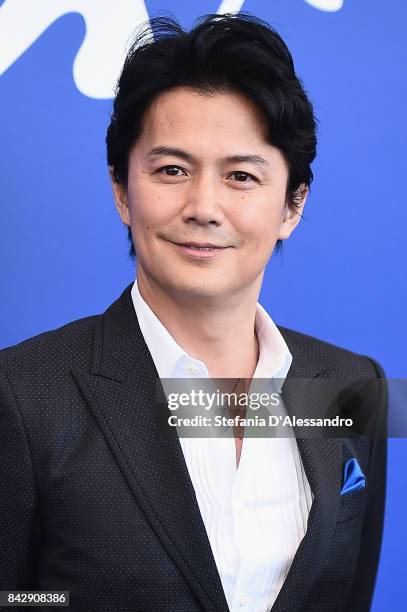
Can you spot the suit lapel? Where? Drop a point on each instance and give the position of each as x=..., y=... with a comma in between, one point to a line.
x=121, y=392
x=322, y=460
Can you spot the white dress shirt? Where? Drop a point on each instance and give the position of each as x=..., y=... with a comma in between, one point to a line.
x=255, y=514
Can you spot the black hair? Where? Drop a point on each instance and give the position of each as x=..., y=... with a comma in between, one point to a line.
x=221, y=53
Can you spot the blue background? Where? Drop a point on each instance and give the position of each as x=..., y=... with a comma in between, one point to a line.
x=341, y=276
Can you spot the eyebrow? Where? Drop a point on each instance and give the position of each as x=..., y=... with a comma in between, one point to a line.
x=238, y=158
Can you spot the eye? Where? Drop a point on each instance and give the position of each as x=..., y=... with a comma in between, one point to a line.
x=160, y=170
x=240, y=173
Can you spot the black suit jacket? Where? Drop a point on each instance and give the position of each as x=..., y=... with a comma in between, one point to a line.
x=95, y=501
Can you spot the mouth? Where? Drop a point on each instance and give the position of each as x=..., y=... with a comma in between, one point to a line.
x=200, y=245
x=202, y=250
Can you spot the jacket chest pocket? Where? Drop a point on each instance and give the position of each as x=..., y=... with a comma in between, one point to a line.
x=352, y=505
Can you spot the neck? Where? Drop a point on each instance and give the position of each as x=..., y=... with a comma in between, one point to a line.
x=218, y=331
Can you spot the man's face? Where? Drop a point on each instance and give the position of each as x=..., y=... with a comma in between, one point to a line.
x=188, y=182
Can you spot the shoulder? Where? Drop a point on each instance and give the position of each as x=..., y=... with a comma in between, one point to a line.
x=59, y=349
x=337, y=360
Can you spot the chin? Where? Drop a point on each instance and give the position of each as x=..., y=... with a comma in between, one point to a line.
x=197, y=287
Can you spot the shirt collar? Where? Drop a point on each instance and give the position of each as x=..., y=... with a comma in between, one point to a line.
x=172, y=361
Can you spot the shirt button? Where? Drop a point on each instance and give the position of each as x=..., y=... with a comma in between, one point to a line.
x=243, y=600
x=191, y=369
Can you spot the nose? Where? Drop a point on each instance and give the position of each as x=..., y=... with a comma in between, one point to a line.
x=202, y=200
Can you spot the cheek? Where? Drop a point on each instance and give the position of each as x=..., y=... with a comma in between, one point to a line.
x=147, y=208
x=260, y=226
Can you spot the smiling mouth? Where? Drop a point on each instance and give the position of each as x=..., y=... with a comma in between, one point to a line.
x=200, y=246
x=200, y=251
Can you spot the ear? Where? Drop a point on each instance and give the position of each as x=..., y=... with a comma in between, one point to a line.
x=120, y=198
x=291, y=214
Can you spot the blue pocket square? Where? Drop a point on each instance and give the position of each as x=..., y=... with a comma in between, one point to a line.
x=353, y=477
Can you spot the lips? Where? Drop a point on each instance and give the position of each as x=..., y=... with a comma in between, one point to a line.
x=200, y=245
x=200, y=250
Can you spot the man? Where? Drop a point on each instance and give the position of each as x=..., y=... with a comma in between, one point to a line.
x=209, y=149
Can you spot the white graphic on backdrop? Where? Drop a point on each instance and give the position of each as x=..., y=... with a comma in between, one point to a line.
x=326, y=5
x=109, y=27
x=231, y=6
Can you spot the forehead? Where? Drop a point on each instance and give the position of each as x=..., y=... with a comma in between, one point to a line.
x=183, y=112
